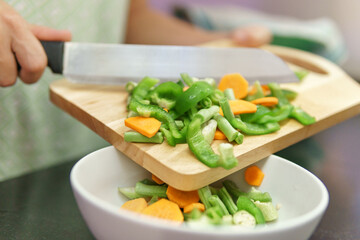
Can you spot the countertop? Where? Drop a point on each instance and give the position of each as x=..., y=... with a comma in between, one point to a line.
x=41, y=205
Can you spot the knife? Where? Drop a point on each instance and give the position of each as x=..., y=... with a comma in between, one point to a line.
x=97, y=63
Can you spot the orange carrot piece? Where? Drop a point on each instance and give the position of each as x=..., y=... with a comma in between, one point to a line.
x=219, y=135
x=254, y=176
x=239, y=106
x=191, y=206
x=264, y=88
x=182, y=198
x=185, y=88
x=164, y=209
x=135, y=205
x=156, y=179
x=235, y=81
x=252, y=91
x=147, y=126
x=266, y=101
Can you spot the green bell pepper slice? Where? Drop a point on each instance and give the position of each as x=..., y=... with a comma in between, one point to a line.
x=165, y=94
x=277, y=114
x=142, y=89
x=253, y=117
x=302, y=116
x=196, y=140
x=194, y=94
x=244, y=203
x=279, y=94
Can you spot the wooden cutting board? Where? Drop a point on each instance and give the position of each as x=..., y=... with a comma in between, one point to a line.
x=327, y=93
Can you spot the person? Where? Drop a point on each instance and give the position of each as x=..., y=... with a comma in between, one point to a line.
x=34, y=133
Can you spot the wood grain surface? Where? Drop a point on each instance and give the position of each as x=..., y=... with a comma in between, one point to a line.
x=327, y=93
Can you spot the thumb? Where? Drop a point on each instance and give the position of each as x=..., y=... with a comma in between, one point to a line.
x=50, y=34
x=251, y=36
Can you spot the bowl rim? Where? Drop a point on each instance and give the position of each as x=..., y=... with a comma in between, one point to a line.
x=235, y=230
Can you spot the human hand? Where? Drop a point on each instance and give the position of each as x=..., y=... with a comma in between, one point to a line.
x=20, y=41
x=251, y=36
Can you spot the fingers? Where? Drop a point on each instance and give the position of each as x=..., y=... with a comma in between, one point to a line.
x=18, y=41
x=50, y=34
x=252, y=36
x=8, y=72
x=27, y=50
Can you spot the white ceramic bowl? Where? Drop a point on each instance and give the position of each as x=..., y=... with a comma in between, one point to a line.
x=96, y=177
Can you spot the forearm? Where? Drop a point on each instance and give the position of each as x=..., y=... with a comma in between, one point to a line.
x=147, y=26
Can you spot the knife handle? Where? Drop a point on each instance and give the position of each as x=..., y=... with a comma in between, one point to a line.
x=55, y=53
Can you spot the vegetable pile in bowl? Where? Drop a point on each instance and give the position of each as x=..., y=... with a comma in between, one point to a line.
x=95, y=180
x=196, y=112
x=223, y=205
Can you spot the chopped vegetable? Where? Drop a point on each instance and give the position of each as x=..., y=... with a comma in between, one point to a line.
x=278, y=93
x=228, y=130
x=244, y=203
x=253, y=194
x=188, y=99
x=130, y=86
x=168, y=136
x=219, y=135
x=301, y=74
x=236, y=82
x=254, y=117
x=244, y=219
x=188, y=114
x=129, y=192
x=205, y=102
x=208, y=130
x=229, y=94
x=142, y=89
x=132, y=136
x=215, y=215
x=215, y=201
x=135, y=205
x=155, y=112
x=268, y=210
x=164, y=209
x=156, y=179
x=147, y=126
x=289, y=94
x=247, y=128
x=216, y=96
x=150, y=190
x=227, y=200
x=301, y=116
x=165, y=94
x=240, y=107
x=204, y=195
x=191, y=206
x=216, y=205
x=266, y=101
x=254, y=176
x=196, y=141
x=187, y=79
x=256, y=92
x=227, y=158
x=276, y=115
x=153, y=200
x=182, y=198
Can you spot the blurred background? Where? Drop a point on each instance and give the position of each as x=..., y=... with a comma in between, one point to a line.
x=325, y=27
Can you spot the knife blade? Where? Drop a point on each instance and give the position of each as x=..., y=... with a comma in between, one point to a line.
x=97, y=63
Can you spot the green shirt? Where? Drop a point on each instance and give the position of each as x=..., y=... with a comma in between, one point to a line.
x=34, y=133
